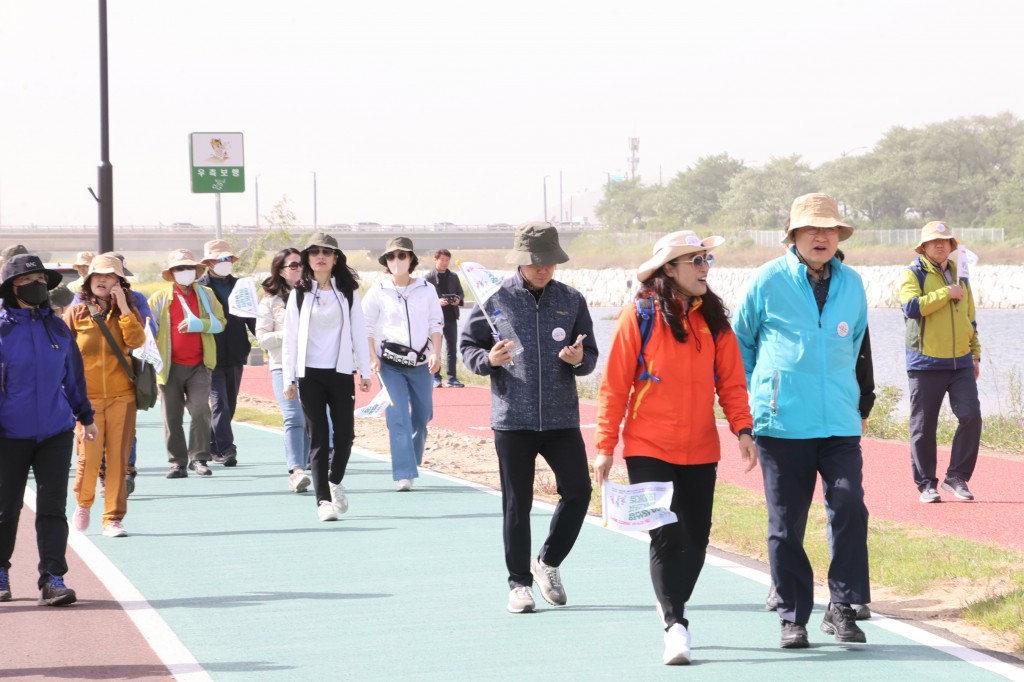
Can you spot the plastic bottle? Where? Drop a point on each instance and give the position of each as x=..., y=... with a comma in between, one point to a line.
x=505, y=331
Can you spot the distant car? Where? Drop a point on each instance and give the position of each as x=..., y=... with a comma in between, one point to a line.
x=369, y=227
x=184, y=227
x=340, y=227
x=68, y=273
x=397, y=227
x=499, y=226
x=445, y=227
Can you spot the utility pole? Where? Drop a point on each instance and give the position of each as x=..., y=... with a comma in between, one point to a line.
x=545, y=216
x=315, y=223
x=561, y=211
x=257, y=202
x=105, y=172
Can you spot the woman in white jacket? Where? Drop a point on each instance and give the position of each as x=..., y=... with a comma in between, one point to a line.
x=285, y=273
x=404, y=323
x=324, y=345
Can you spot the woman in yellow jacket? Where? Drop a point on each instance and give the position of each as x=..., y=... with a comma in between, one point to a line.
x=665, y=391
x=109, y=388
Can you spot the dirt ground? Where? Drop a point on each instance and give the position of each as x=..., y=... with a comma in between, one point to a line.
x=472, y=458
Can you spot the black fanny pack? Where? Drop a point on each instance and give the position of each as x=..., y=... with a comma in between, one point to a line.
x=400, y=355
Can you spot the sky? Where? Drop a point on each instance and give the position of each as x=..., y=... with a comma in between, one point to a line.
x=415, y=113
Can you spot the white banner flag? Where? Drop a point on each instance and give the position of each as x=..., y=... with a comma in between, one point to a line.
x=149, y=352
x=965, y=261
x=375, y=407
x=482, y=281
x=641, y=506
x=243, y=301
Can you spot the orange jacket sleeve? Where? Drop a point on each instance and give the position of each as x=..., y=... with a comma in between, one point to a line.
x=731, y=382
x=617, y=382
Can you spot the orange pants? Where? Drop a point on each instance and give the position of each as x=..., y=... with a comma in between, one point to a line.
x=115, y=420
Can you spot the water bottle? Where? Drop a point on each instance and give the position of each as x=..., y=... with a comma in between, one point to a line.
x=505, y=331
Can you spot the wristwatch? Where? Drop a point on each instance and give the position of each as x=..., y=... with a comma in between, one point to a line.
x=745, y=432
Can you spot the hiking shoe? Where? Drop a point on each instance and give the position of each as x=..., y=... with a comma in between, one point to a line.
x=771, y=602
x=455, y=383
x=958, y=487
x=298, y=481
x=794, y=636
x=177, y=472
x=520, y=600
x=404, y=485
x=437, y=382
x=199, y=466
x=861, y=611
x=677, y=646
x=80, y=518
x=550, y=582
x=129, y=485
x=930, y=495
x=338, y=497
x=55, y=593
x=114, y=529
x=325, y=511
x=840, y=620
x=228, y=460
x=5, y=585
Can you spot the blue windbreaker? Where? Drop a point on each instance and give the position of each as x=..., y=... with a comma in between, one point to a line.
x=801, y=366
x=42, y=381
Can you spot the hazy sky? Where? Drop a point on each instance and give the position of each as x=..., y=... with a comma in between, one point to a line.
x=416, y=112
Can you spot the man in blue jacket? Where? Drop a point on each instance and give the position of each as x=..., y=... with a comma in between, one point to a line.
x=534, y=404
x=800, y=326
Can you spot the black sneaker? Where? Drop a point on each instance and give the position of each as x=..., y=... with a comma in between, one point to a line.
x=794, y=636
x=455, y=383
x=55, y=593
x=199, y=466
x=437, y=382
x=841, y=621
x=129, y=485
x=230, y=460
x=771, y=602
x=177, y=472
x=958, y=487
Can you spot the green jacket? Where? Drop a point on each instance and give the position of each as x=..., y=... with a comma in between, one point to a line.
x=210, y=321
x=941, y=333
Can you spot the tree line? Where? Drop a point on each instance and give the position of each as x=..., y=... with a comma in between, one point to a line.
x=967, y=171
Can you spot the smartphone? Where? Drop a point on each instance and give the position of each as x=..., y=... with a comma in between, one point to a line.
x=579, y=341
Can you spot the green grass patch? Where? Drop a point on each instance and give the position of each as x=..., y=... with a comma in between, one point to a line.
x=1004, y=613
x=253, y=415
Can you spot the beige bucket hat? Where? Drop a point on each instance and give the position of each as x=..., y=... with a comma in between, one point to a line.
x=816, y=210
x=104, y=264
x=181, y=257
x=84, y=258
x=216, y=249
x=936, y=230
x=672, y=246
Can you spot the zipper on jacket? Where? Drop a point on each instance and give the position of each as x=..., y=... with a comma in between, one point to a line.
x=774, y=404
x=952, y=328
x=3, y=377
x=540, y=369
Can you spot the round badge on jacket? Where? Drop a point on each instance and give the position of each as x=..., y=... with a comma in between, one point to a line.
x=843, y=329
x=558, y=334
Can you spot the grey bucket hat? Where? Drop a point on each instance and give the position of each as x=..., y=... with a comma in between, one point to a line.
x=536, y=243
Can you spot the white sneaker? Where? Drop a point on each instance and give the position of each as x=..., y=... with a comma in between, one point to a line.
x=325, y=511
x=677, y=646
x=520, y=600
x=550, y=581
x=80, y=518
x=298, y=481
x=114, y=529
x=338, y=498
x=404, y=485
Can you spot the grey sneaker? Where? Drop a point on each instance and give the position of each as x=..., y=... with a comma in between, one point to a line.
x=550, y=582
x=520, y=600
x=958, y=487
x=930, y=495
x=200, y=467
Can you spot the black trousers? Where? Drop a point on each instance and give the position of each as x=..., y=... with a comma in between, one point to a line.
x=50, y=462
x=451, y=346
x=566, y=454
x=790, y=468
x=224, y=385
x=322, y=391
x=678, y=549
x=927, y=389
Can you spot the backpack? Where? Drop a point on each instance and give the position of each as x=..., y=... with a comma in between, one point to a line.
x=918, y=269
x=645, y=319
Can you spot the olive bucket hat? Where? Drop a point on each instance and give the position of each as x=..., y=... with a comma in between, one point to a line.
x=395, y=244
x=536, y=243
x=323, y=240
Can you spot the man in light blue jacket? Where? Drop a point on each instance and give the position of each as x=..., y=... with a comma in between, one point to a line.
x=800, y=326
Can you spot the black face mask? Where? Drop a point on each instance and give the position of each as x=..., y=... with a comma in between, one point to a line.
x=33, y=293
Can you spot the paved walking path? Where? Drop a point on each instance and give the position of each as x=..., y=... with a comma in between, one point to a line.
x=232, y=577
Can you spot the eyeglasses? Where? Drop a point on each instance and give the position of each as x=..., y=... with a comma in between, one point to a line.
x=182, y=268
x=294, y=265
x=400, y=255
x=698, y=261
x=824, y=231
x=223, y=259
x=317, y=251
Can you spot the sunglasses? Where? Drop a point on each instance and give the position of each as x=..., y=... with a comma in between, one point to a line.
x=223, y=259
x=182, y=268
x=317, y=251
x=815, y=231
x=698, y=261
x=400, y=255
x=294, y=265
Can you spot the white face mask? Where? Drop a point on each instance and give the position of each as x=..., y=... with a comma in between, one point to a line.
x=185, y=277
x=222, y=269
x=398, y=267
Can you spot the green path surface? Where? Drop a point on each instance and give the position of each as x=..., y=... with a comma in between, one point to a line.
x=412, y=586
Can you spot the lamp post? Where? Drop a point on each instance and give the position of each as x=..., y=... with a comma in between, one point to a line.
x=545, y=216
x=561, y=211
x=315, y=223
x=257, y=202
x=105, y=172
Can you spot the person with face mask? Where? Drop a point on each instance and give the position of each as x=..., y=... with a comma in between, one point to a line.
x=324, y=344
x=404, y=323
x=111, y=390
x=188, y=317
x=232, y=352
x=42, y=395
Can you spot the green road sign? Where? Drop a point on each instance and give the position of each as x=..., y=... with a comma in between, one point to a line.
x=217, y=161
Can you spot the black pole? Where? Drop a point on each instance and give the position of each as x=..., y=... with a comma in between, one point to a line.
x=105, y=171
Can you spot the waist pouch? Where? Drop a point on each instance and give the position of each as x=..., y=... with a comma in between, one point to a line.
x=400, y=355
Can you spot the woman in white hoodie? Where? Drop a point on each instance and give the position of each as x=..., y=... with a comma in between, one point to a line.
x=404, y=323
x=324, y=345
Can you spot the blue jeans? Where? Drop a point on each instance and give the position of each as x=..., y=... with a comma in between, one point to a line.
x=296, y=439
x=412, y=396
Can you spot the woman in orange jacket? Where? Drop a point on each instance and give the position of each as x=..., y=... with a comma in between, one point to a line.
x=109, y=388
x=664, y=390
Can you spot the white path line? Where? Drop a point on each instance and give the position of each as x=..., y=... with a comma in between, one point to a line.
x=154, y=629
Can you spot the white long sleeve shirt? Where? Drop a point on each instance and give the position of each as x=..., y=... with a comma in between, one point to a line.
x=298, y=350
x=407, y=315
